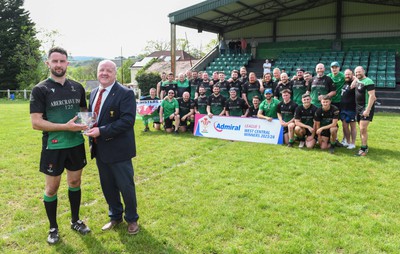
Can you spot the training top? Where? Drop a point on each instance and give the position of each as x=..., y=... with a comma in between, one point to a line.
x=269, y=108
x=348, y=100
x=362, y=88
x=287, y=110
x=326, y=117
x=236, y=107
x=305, y=115
x=216, y=103
x=58, y=104
x=338, y=81
x=320, y=86
x=185, y=106
x=169, y=107
x=298, y=88
x=251, y=89
x=201, y=104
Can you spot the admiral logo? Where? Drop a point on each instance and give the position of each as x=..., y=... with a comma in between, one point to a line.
x=220, y=127
x=53, y=90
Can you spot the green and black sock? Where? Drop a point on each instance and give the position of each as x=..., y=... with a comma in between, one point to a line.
x=74, y=195
x=50, y=204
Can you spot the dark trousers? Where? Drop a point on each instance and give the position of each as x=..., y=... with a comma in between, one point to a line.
x=117, y=178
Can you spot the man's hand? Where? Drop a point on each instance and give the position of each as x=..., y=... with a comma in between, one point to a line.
x=93, y=132
x=72, y=126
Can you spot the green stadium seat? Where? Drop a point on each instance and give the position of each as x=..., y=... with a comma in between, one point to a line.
x=382, y=67
x=390, y=77
x=380, y=83
x=390, y=84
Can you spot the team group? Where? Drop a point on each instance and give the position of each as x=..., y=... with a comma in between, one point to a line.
x=307, y=107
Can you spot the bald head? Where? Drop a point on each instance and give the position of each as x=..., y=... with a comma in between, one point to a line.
x=320, y=69
x=106, y=73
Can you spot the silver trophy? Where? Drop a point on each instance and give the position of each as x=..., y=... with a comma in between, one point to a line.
x=87, y=118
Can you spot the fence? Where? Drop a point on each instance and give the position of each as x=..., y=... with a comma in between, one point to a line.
x=15, y=94
x=24, y=94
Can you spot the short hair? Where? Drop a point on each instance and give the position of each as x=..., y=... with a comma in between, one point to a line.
x=256, y=97
x=305, y=95
x=286, y=91
x=326, y=97
x=307, y=72
x=170, y=74
x=57, y=50
x=152, y=89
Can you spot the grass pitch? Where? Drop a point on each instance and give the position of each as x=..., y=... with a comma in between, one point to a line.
x=199, y=195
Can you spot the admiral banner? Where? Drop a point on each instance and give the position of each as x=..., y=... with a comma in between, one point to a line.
x=147, y=107
x=238, y=128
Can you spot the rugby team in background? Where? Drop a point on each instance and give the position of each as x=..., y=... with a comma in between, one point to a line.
x=307, y=107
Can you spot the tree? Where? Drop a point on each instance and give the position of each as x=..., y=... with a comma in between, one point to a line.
x=125, y=69
x=20, y=57
x=152, y=46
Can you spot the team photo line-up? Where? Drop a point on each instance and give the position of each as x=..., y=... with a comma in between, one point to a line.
x=308, y=107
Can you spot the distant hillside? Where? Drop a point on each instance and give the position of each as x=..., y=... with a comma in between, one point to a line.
x=84, y=58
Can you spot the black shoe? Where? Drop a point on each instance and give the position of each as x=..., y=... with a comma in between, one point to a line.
x=332, y=149
x=80, y=227
x=176, y=132
x=53, y=237
x=146, y=129
x=290, y=145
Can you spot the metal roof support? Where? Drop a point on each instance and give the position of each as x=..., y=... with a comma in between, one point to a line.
x=173, y=48
x=339, y=14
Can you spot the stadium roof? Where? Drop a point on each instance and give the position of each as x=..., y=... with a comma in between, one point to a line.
x=220, y=16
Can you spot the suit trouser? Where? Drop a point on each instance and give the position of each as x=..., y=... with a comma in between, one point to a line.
x=115, y=179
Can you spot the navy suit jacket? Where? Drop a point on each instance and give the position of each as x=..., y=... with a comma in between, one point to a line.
x=116, y=120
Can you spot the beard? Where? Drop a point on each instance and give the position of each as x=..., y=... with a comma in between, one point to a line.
x=58, y=74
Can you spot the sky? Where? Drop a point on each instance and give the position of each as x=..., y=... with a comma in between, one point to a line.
x=107, y=28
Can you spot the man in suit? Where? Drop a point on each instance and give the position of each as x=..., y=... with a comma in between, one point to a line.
x=113, y=145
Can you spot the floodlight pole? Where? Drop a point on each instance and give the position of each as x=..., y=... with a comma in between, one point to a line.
x=173, y=48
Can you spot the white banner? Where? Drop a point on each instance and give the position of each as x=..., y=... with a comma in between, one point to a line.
x=239, y=129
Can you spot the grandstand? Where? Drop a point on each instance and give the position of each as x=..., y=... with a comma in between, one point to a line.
x=302, y=33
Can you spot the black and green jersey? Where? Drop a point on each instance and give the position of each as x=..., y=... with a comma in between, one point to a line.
x=169, y=107
x=166, y=86
x=280, y=87
x=362, y=88
x=237, y=85
x=269, y=108
x=216, y=103
x=326, y=117
x=287, y=110
x=338, y=81
x=305, y=115
x=223, y=88
x=193, y=86
x=236, y=107
x=206, y=84
x=58, y=104
x=251, y=89
x=320, y=86
x=185, y=106
x=183, y=87
x=298, y=88
x=201, y=104
x=253, y=112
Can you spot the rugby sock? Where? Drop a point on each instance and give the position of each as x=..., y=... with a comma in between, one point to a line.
x=291, y=141
x=50, y=204
x=333, y=143
x=364, y=148
x=74, y=195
